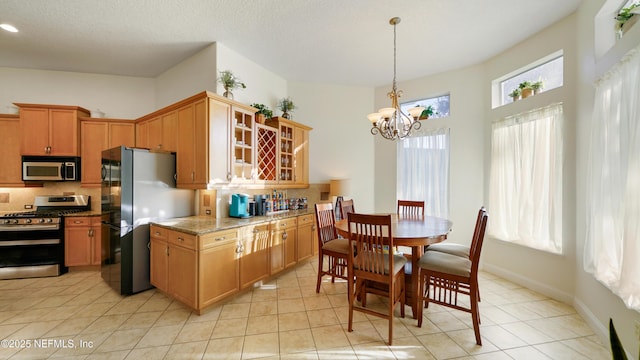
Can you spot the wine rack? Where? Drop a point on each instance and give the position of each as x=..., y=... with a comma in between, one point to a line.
x=266, y=153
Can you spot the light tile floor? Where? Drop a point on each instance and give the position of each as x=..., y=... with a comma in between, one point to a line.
x=77, y=316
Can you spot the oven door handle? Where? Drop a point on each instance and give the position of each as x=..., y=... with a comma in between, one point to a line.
x=30, y=227
x=30, y=242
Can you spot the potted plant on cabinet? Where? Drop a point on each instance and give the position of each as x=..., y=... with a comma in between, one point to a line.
x=285, y=105
x=263, y=113
x=515, y=94
x=525, y=89
x=230, y=82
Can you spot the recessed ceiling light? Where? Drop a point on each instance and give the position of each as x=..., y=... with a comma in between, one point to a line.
x=9, y=28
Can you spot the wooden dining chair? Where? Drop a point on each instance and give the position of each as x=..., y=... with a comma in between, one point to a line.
x=444, y=276
x=368, y=262
x=455, y=248
x=410, y=208
x=335, y=249
x=346, y=206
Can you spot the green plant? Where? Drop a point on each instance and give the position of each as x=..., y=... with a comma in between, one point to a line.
x=230, y=81
x=263, y=109
x=525, y=85
x=286, y=104
x=515, y=93
x=428, y=112
x=617, y=351
x=624, y=15
x=537, y=85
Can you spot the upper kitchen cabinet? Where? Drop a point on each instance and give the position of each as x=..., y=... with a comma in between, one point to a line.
x=10, y=161
x=215, y=142
x=192, y=157
x=242, y=145
x=158, y=132
x=98, y=135
x=292, y=155
x=50, y=130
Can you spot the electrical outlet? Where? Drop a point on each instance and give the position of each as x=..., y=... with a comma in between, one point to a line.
x=28, y=206
x=637, y=330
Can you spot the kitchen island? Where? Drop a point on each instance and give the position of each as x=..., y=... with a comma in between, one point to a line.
x=201, y=260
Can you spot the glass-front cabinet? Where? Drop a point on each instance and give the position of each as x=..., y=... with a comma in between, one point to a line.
x=242, y=164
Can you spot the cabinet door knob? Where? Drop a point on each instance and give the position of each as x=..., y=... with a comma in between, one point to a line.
x=284, y=235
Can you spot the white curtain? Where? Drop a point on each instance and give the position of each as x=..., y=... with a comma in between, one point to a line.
x=612, y=244
x=525, y=191
x=423, y=170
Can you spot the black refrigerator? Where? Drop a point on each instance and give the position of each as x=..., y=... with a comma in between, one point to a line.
x=138, y=187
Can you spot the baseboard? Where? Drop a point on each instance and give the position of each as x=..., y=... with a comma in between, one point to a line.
x=601, y=331
x=542, y=288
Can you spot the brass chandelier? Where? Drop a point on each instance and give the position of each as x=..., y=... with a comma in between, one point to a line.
x=392, y=123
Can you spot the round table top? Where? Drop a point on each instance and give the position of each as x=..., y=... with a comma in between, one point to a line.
x=410, y=231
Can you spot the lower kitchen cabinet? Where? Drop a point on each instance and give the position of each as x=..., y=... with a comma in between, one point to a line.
x=254, y=254
x=283, y=244
x=197, y=270
x=306, y=231
x=200, y=270
x=182, y=268
x=82, y=241
x=219, y=266
x=173, y=264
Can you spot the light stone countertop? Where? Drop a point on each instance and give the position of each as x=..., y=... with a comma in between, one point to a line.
x=200, y=225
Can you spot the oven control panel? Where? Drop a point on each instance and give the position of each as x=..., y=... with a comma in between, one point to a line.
x=30, y=221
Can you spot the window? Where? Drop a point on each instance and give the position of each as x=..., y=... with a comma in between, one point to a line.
x=525, y=190
x=423, y=170
x=440, y=105
x=612, y=244
x=548, y=70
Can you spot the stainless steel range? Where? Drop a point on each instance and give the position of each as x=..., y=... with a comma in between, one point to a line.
x=32, y=242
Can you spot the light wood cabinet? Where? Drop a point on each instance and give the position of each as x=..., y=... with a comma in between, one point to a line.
x=200, y=270
x=174, y=264
x=201, y=151
x=159, y=257
x=283, y=244
x=218, y=276
x=82, y=241
x=306, y=238
x=292, y=155
x=254, y=254
x=99, y=135
x=242, y=145
x=50, y=129
x=197, y=270
x=159, y=132
x=182, y=268
x=301, y=155
x=10, y=161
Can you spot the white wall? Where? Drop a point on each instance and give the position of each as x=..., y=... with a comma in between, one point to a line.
x=467, y=144
x=123, y=97
x=596, y=302
x=263, y=86
x=191, y=76
x=341, y=146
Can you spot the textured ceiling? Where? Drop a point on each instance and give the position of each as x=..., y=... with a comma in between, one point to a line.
x=346, y=42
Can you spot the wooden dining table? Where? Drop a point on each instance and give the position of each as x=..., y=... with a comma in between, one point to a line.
x=414, y=232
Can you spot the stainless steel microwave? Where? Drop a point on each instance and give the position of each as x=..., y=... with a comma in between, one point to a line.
x=50, y=168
